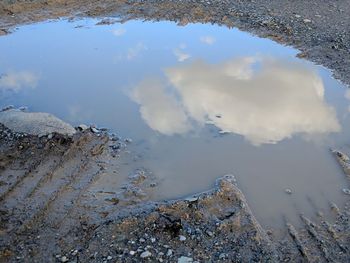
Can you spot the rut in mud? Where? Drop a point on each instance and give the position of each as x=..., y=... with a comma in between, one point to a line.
x=48, y=211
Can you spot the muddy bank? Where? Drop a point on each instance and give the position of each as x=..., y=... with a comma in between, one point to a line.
x=320, y=29
x=52, y=208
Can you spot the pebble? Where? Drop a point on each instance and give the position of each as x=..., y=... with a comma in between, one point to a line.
x=128, y=140
x=288, y=191
x=307, y=20
x=64, y=259
x=153, y=240
x=182, y=238
x=23, y=108
x=83, y=127
x=146, y=254
x=346, y=191
x=169, y=252
x=184, y=260
x=132, y=252
x=142, y=240
x=209, y=233
x=109, y=258
x=94, y=130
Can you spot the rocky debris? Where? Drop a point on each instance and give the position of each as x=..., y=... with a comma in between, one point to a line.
x=34, y=123
x=343, y=160
x=83, y=127
x=106, y=21
x=346, y=191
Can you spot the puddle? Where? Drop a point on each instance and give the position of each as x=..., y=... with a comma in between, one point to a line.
x=199, y=102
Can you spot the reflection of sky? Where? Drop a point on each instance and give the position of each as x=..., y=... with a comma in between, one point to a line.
x=16, y=81
x=120, y=76
x=264, y=106
x=116, y=59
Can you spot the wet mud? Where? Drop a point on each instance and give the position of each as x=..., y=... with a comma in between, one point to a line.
x=51, y=209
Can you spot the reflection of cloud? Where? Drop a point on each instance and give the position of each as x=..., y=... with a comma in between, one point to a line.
x=135, y=51
x=160, y=110
x=207, y=40
x=18, y=80
x=119, y=32
x=265, y=101
x=181, y=55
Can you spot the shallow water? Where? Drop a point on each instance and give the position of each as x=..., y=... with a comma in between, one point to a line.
x=199, y=102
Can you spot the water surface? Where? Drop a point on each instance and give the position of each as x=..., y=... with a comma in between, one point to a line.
x=199, y=102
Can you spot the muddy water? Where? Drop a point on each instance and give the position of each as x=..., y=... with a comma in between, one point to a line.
x=199, y=102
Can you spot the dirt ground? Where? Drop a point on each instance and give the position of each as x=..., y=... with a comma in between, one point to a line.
x=50, y=211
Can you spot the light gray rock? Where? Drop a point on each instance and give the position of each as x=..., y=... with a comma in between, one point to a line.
x=34, y=123
x=184, y=260
x=146, y=254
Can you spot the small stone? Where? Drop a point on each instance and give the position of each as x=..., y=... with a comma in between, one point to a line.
x=83, y=127
x=307, y=20
x=64, y=259
x=23, y=108
x=184, y=260
x=146, y=254
x=128, y=140
x=222, y=256
x=297, y=16
x=288, y=191
x=209, y=233
x=142, y=240
x=153, y=240
x=132, y=252
x=169, y=252
x=50, y=136
x=109, y=257
x=182, y=238
x=94, y=130
x=346, y=191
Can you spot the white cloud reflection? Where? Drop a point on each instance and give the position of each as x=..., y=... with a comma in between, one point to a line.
x=264, y=100
x=133, y=52
x=16, y=81
x=181, y=55
x=160, y=110
x=209, y=40
x=118, y=32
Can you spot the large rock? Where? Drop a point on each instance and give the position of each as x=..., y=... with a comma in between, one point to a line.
x=34, y=123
